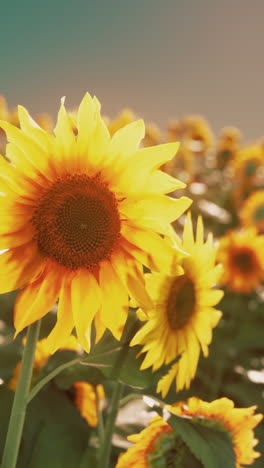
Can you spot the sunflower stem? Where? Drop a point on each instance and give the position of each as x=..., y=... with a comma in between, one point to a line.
x=105, y=450
x=36, y=389
x=18, y=412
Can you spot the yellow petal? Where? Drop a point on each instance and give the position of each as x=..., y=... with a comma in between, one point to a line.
x=188, y=239
x=132, y=277
x=64, y=325
x=143, y=162
x=114, y=300
x=19, y=266
x=145, y=205
x=64, y=131
x=86, y=120
x=33, y=130
x=149, y=248
x=28, y=153
x=17, y=238
x=127, y=139
x=86, y=301
x=161, y=182
x=37, y=299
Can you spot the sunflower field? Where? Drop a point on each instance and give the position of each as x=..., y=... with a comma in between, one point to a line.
x=131, y=292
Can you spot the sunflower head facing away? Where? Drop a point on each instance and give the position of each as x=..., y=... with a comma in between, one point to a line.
x=183, y=315
x=159, y=445
x=241, y=254
x=89, y=400
x=238, y=422
x=81, y=212
x=252, y=212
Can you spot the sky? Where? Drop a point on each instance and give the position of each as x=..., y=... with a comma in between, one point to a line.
x=164, y=59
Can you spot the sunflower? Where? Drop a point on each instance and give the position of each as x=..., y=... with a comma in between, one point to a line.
x=80, y=214
x=247, y=162
x=183, y=316
x=162, y=445
x=89, y=400
x=241, y=254
x=252, y=211
x=227, y=146
x=42, y=355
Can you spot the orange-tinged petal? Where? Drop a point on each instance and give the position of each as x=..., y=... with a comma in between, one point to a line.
x=114, y=300
x=19, y=266
x=64, y=325
x=17, y=238
x=86, y=301
x=37, y=299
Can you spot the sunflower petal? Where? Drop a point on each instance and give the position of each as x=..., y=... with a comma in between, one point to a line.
x=36, y=300
x=127, y=139
x=114, y=300
x=19, y=266
x=64, y=325
x=86, y=301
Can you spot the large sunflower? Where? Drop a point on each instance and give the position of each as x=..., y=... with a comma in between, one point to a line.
x=80, y=213
x=183, y=316
x=252, y=211
x=241, y=254
x=162, y=445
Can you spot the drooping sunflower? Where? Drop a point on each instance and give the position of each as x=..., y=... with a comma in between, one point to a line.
x=252, y=211
x=89, y=400
x=80, y=213
x=238, y=422
x=183, y=316
x=160, y=445
x=241, y=254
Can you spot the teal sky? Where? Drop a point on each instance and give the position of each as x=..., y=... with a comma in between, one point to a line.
x=161, y=58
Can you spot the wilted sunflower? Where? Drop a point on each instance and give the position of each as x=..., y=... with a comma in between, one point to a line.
x=89, y=400
x=183, y=316
x=252, y=211
x=80, y=214
x=241, y=254
x=160, y=445
x=238, y=422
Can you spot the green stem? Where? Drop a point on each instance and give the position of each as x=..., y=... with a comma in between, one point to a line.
x=100, y=427
x=105, y=450
x=35, y=390
x=18, y=412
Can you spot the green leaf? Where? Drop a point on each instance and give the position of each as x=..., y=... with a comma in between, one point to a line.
x=55, y=434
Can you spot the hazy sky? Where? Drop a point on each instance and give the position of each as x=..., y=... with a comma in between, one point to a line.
x=162, y=58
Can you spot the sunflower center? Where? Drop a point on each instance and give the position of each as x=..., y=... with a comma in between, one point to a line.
x=259, y=214
x=77, y=222
x=244, y=260
x=181, y=302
